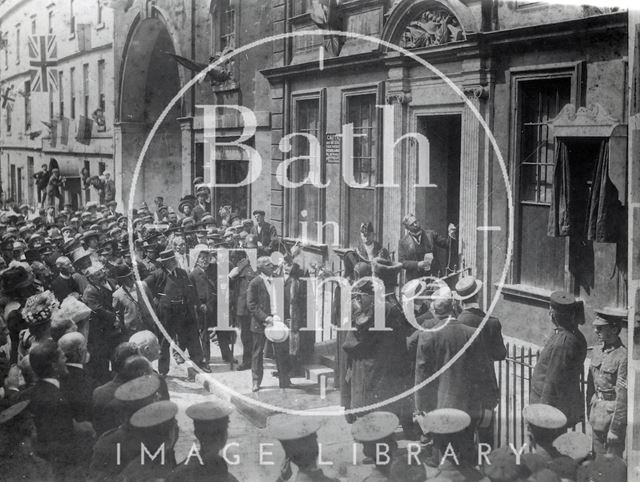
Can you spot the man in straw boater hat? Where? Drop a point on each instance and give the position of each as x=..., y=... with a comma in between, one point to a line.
x=177, y=301
x=298, y=437
x=556, y=376
x=467, y=291
x=607, y=383
x=210, y=426
x=17, y=455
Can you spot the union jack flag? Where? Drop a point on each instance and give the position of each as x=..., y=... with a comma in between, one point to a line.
x=43, y=57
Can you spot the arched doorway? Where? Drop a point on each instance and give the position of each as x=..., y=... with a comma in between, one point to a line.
x=149, y=80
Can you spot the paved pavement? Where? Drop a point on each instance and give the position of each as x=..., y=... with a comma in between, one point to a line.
x=246, y=430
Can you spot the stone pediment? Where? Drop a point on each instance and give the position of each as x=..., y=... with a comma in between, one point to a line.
x=591, y=121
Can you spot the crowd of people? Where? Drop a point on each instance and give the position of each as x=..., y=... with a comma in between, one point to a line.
x=78, y=347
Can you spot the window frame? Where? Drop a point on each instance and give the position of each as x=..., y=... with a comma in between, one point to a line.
x=28, y=117
x=18, y=46
x=376, y=218
x=85, y=89
x=291, y=198
x=72, y=87
x=576, y=73
x=72, y=20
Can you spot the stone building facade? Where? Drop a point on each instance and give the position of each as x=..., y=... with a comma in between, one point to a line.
x=75, y=84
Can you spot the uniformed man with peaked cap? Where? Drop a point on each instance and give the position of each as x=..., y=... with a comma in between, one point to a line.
x=129, y=398
x=447, y=427
x=556, y=376
x=210, y=423
x=157, y=429
x=607, y=383
x=298, y=438
x=544, y=423
x=375, y=431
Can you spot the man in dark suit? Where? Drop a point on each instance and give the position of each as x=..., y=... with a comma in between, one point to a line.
x=493, y=350
x=176, y=301
x=77, y=387
x=259, y=305
x=105, y=414
x=416, y=250
x=203, y=277
x=264, y=232
x=105, y=331
x=64, y=284
x=59, y=441
x=456, y=387
x=240, y=276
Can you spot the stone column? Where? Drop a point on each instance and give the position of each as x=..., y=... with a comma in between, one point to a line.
x=128, y=138
x=395, y=199
x=469, y=181
x=186, y=155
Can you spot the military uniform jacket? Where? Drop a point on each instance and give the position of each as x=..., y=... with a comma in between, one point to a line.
x=556, y=376
x=411, y=251
x=169, y=287
x=607, y=381
x=104, y=463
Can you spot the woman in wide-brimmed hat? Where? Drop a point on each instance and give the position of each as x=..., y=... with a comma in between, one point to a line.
x=37, y=313
x=17, y=284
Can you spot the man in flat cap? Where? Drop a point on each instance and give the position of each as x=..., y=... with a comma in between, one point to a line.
x=264, y=231
x=556, y=376
x=607, y=384
x=210, y=426
x=417, y=249
x=156, y=428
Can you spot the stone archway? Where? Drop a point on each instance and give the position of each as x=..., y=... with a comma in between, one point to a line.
x=149, y=79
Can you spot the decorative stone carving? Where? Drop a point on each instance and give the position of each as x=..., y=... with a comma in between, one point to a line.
x=435, y=26
x=398, y=97
x=593, y=114
x=476, y=91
